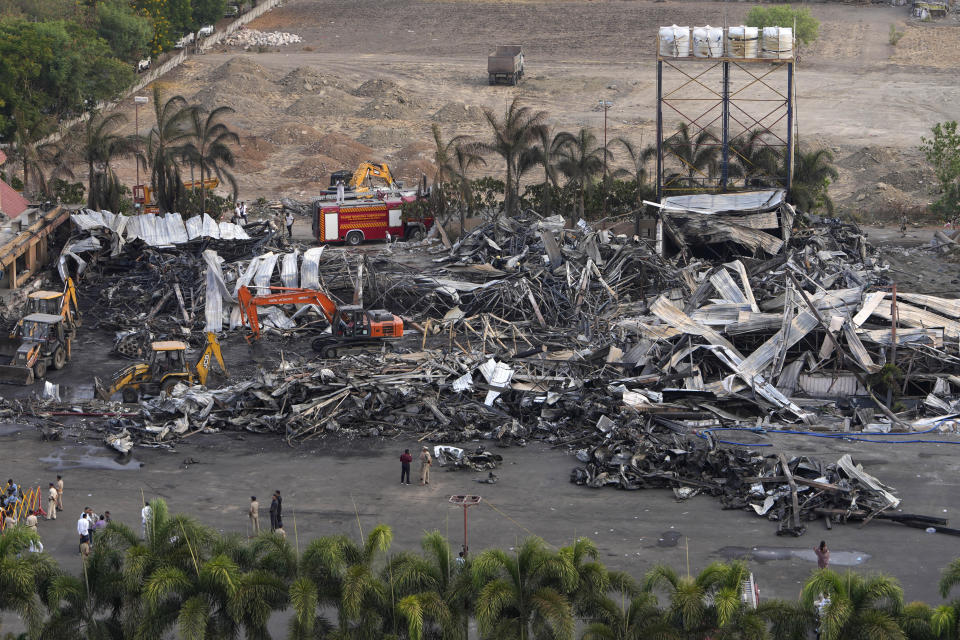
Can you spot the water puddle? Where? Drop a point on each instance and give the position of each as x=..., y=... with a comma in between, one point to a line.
x=669, y=539
x=89, y=457
x=10, y=428
x=769, y=554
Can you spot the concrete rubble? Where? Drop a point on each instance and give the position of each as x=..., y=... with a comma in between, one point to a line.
x=661, y=362
x=247, y=38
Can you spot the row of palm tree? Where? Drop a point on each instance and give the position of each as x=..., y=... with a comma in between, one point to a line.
x=184, y=579
x=523, y=141
x=185, y=135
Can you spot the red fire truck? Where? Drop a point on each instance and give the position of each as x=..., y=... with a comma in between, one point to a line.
x=356, y=220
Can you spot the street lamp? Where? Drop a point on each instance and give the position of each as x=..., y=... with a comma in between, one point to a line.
x=137, y=101
x=605, y=105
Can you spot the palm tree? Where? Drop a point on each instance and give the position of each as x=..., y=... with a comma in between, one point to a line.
x=710, y=603
x=101, y=144
x=336, y=571
x=434, y=595
x=640, y=157
x=513, y=135
x=211, y=148
x=464, y=159
x=788, y=620
x=753, y=160
x=20, y=573
x=627, y=613
x=543, y=155
x=517, y=594
x=581, y=160
x=859, y=607
x=166, y=146
x=699, y=156
x=812, y=173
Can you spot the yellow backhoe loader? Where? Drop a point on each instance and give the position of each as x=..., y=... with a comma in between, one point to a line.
x=167, y=367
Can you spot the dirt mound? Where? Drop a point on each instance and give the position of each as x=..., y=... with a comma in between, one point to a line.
x=241, y=70
x=316, y=168
x=416, y=151
x=458, y=112
x=381, y=136
x=252, y=154
x=245, y=106
x=390, y=108
x=310, y=79
x=409, y=171
x=294, y=134
x=345, y=151
x=327, y=102
x=377, y=88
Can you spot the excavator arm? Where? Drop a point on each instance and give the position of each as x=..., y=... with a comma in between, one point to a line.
x=249, y=304
x=368, y=170
x=212, y=351
x=69, y=307
x=121, y=379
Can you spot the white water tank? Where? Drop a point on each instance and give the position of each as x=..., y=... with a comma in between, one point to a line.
x=742, y=42
x=675, y=42
x=777, y=42
x=708, y=42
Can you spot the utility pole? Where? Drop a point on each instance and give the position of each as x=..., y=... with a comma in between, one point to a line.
x=137, y=101
x=605, y=105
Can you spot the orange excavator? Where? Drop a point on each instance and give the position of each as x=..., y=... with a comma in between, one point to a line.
x=350, y=325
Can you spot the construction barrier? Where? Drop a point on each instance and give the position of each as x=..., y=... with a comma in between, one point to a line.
x=32, y=501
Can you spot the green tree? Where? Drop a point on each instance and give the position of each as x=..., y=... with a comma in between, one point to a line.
x=20, y=573
x=699, y=156
x=167, y=145
x=512, y=136
x=753, y=160
x=637, y=172
x=207, y=11
x=518, y=597
x=812, y=174
x=465, y=159
x=942, y=151
x=860, y=608
x=580, y=158
x=806, y=27
x=443, y=160
x=626, y=612
x=710, y=603
x=127, y=33
x=788, y=620
x=212, y=148
x=101, y=144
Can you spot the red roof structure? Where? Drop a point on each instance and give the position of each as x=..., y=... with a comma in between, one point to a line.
x=11, y=203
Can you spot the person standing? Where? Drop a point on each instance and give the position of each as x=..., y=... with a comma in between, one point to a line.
x=83, y=530
x=243, y=211
x=32, y=521
x=237, y=217
x=9, y=520
x=425, y=462
x=289, y=222
x=52, y=495
x=59, y=493
x=276, y=511
x=823, y=555
x=405, y=460
x=340, y=190
x=145, y=515
x=254, y=513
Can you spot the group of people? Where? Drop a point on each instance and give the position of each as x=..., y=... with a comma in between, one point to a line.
x=240, y=217
x=276, y=514
x=87, y=525
x=426, y=461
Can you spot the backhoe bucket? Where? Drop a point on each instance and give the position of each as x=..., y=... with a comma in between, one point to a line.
x=100, y=390
x=12, y=374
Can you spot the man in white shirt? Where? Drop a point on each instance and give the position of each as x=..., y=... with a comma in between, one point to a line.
x=83, y=529
x=145, y=515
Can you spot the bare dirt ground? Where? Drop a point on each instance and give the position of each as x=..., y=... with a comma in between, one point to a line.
x=371, y=77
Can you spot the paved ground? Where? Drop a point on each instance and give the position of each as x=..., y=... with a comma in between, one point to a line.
x=332, y=486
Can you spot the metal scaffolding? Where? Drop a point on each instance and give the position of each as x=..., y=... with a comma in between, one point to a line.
x=738, y=113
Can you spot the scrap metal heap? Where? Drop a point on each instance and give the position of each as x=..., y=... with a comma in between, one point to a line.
x=637, y=353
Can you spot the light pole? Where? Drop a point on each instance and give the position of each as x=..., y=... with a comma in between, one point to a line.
x=605, y=105
x=137, y=101
x=466, y=502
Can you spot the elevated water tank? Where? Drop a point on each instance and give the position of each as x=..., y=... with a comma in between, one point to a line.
x=777, y=42
x=675, y=42
x=742, y=42
x=708, y=42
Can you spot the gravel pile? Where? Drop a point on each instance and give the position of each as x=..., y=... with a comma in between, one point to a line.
x=247, y=38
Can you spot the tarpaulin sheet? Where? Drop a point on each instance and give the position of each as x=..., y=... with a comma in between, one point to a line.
x=310, y=269
x=723, y=202
x=159, y=231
